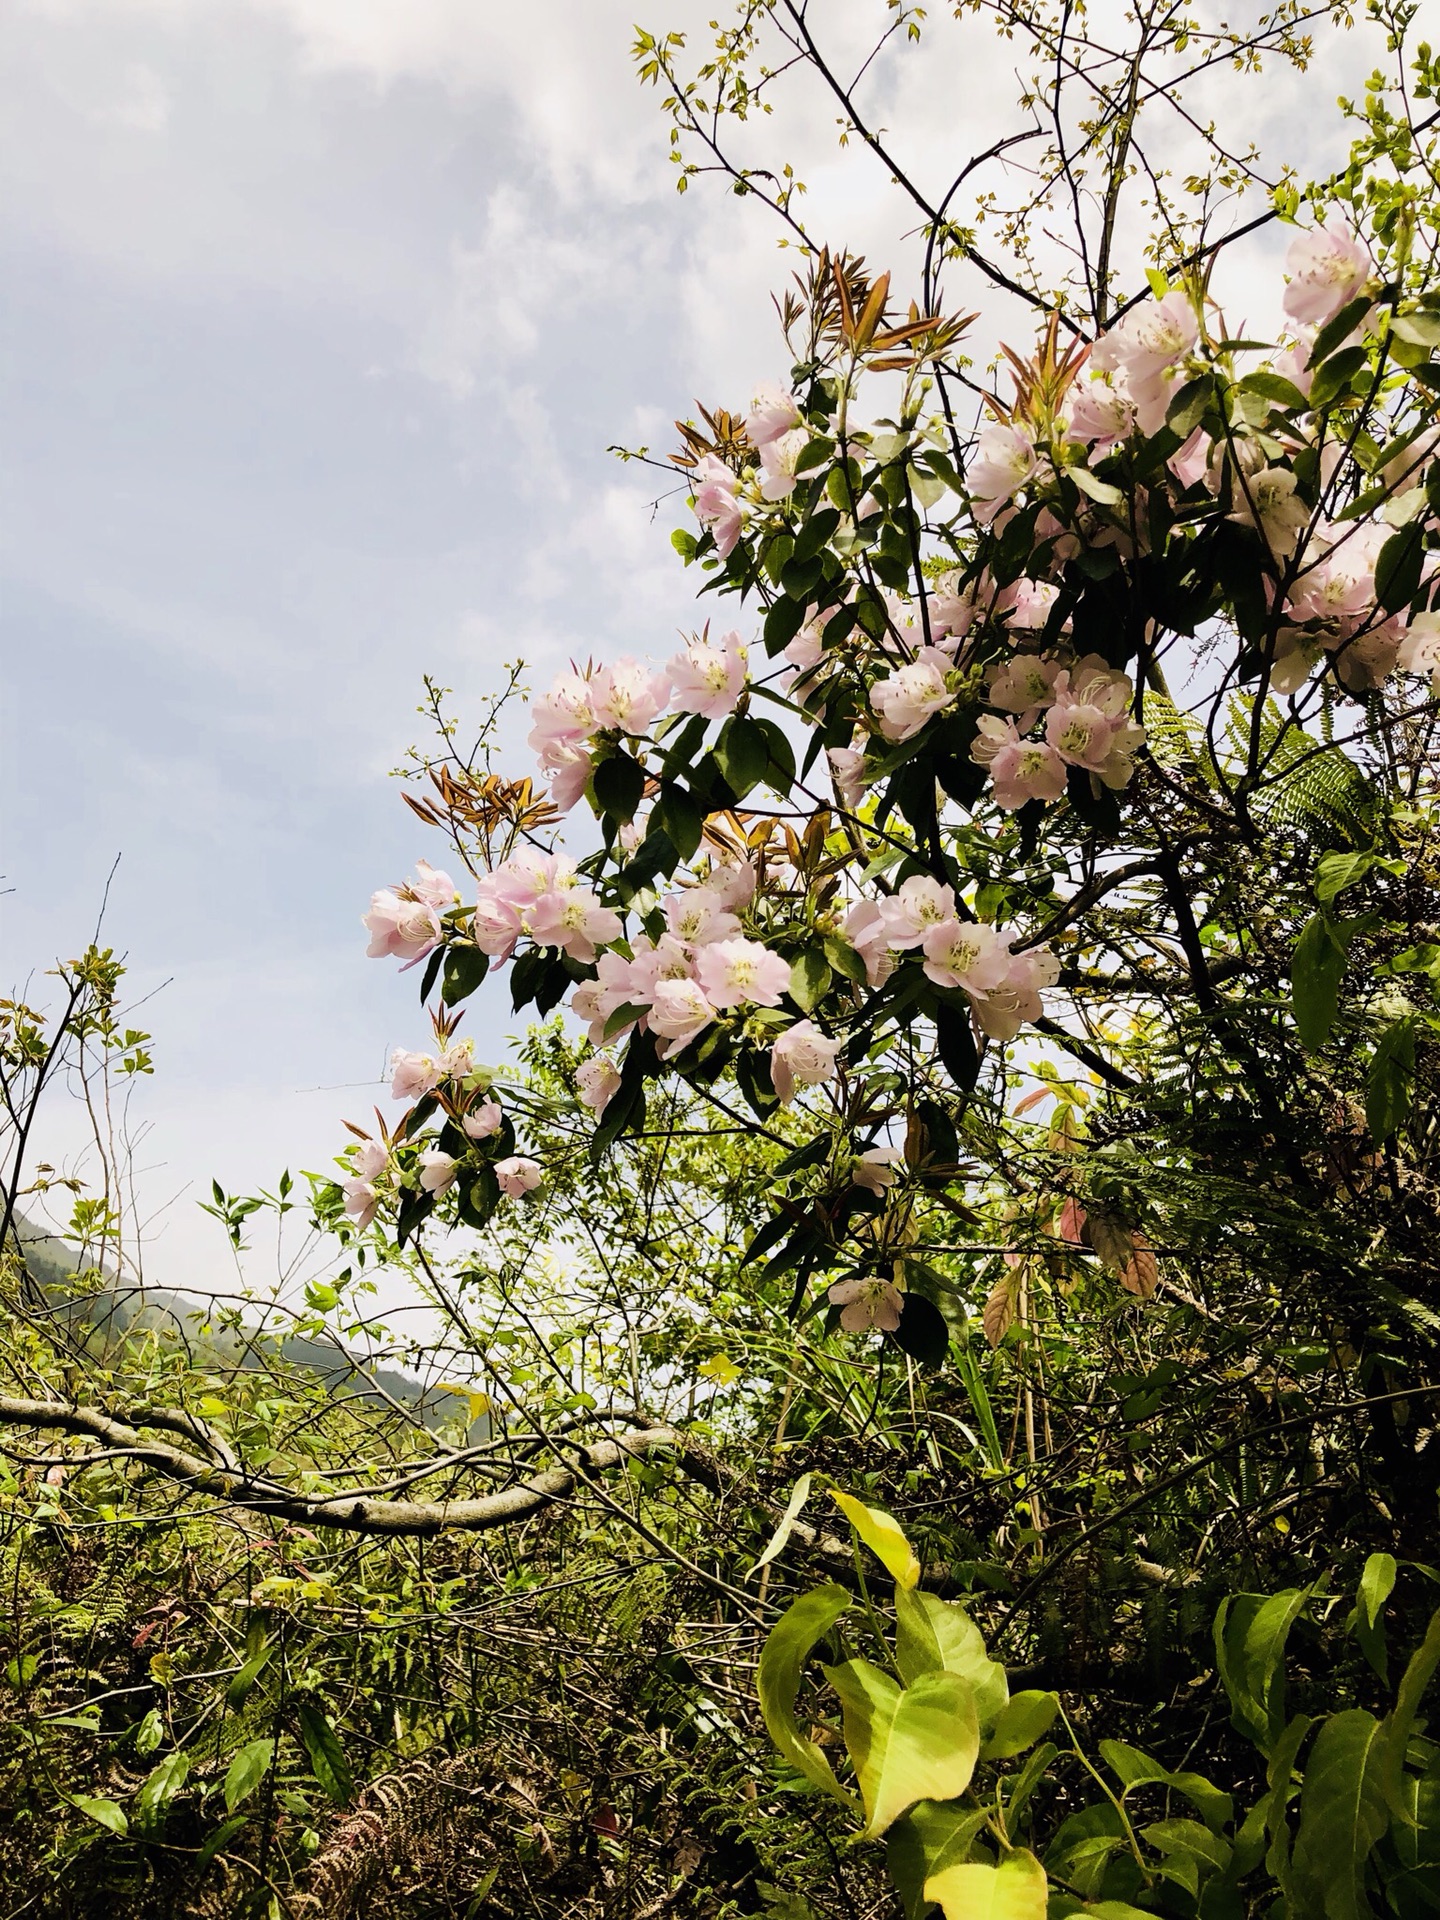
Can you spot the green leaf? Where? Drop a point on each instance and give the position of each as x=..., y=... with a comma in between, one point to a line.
x=1337, y=329
x=619, y=784
x=1377, y=1582
x=1316, y=970
x=934, y=1834
x=246, y=1771
x=883, y=1536
x=238, y=1690
x=1133, y=1769
x=1342, y=1814
x=917, y=1744
x=681, y=818
x=1335, y=376
x=1100, y=490
x=153, y=1800
x=1398, y=569
x=743, y=754
x=465, y=967
x=1026, y=1718
x=799, y=1495
x=1417, y=329
x=810, y=978
x=105, y=1813
x=1390, y=1081
x=781, y=770
x=803, y=1623
x=219, y=1840
x=938, y=1636
x=844, y=959
x=1417, y=1676
x=1188, y=1836
x=1272, y=386
x=1250, y=1635
x=1337, y=871
x=1187, y=408
x=327, y=1756
x=1015, y=1890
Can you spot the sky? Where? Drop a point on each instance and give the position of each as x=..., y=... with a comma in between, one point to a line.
x=319, y=319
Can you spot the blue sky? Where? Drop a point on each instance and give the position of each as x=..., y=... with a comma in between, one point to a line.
x=319, y=317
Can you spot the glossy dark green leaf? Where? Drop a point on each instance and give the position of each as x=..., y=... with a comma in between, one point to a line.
x=619, y=784
x=326, y=1755
x=1390, y=1081
x=1316, y=970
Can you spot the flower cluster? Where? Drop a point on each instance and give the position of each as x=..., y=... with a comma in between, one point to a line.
x=1004, y=986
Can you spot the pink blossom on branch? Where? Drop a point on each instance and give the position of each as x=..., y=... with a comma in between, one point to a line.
x=413, y=1075
x=1327, y=269
x=909, y=696
x=877, y=1169
x=405, y=921
x=518, y=1175
x=679, y=1013
x=867, y=1306
x=966, y=953
x=597, y=1081
x=483, y=1120
x=627, y=696
x=1020, y=770
x=572, y=918
x=801, y=1057
x=437, y=1171
x=716, y=504
x=1002, y=462
x=773, y=413
x=737, y=973
x=708, y=679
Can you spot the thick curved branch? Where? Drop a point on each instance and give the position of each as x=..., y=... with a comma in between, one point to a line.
x=356, y=1510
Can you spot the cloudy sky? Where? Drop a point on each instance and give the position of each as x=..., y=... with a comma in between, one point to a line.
x=319, y=317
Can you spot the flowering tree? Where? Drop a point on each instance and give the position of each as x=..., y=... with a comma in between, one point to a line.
x=1028, y=867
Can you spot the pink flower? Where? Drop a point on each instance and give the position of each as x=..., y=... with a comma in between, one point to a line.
x=918, y=904
x=1004, y=1010
x=1033, y=602
x=807, y=649
x=907, y=698
x=524, y=878
x=867, y=1306
x=1087, y=725
x=698, y=916
x=847, y=770
x=567, y=772
x=1020, y=770
x=1420, y=649
x=517, y=1175
x=777, y=465
x=412, y=1075
x=773, y=413
x=733, y=884
x=1327, y=269
x=405, y=921
x=966, y=953
x=362, y=1196
x=495, y=926
x=1002, y=462
x=1024, y=686
x=1191, y=463
x=361, y=1200
x=457, y=1062
x=483, y=1120
x=952, y=614
x=1367, y=659
x=564, y=715
x=1295, y=655
x=734, y=973
x=716, y=506
x=616, y=986
x=572, y=918
x=877, y=1169
x=437, y=1170
x=1151, y=337
x=868, y=932
x=801, y=1057
x=708, y=680
x=627, y=696
x=1100, y=415
x=598, y=1080
x=1340, y=586
x=680, y=1013
x=1268, y=502
x=655, y=960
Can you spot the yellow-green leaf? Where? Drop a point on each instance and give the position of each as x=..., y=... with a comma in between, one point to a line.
x=1015, y=1890
x=804, y=1622
x=883, y=1536
x=1027, y=1717
x=917, y=1744
x=936, y=1636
